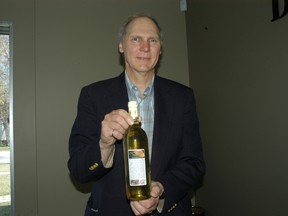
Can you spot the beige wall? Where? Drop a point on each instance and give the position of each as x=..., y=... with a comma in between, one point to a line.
x=238, y=68
x=59, y=46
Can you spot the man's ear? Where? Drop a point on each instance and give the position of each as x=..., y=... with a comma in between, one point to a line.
x=121, y=48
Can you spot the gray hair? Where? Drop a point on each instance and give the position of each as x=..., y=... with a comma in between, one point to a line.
x=123, y=28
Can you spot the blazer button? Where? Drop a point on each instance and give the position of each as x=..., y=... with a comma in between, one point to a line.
x=93, y=167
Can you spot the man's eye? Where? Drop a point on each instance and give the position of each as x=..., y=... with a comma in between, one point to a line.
x=136, y=39
x=153, y=40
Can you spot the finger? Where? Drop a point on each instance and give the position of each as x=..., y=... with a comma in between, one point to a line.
x=117, y=135
x=126, y=116
x=134, y=208
x=106, y=129
x=145, y=206
x=114, y=125
x=118, y=121
x=156, y=189
x=122, y=117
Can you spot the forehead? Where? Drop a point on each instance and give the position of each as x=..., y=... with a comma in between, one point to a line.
x=142, y=25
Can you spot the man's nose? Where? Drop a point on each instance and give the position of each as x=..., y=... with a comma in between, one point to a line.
x=145, y=46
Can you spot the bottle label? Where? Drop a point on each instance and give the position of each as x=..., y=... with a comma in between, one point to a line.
x=137, y=168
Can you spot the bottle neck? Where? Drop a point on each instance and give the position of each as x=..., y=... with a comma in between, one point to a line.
x=137, y=120
x=133, y=111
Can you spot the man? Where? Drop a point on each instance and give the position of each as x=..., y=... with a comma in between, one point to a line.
x=169, y=118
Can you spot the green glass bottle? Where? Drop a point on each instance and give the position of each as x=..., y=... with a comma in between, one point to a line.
x=136, y=158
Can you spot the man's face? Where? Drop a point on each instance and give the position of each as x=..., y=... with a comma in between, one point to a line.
x=141, y=46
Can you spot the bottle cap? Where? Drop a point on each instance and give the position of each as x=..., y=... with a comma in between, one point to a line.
x=132, y=104
x=133, y=110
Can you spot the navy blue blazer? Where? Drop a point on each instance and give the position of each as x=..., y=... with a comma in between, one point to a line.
x=177, y=157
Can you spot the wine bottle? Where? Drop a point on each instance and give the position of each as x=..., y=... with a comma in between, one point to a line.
x=136, y=158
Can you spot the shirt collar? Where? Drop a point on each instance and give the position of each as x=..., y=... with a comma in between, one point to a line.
x=133, y=88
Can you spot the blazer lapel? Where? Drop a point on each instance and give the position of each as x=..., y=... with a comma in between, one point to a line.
x=117, y=95
x=161, y=125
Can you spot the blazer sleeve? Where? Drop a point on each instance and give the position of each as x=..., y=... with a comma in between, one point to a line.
x=85, y=159
x=185, y=167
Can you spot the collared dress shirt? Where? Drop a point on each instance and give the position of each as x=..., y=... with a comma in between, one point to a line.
x=145, y=107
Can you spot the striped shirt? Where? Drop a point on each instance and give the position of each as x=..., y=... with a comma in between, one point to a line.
x=145, y=107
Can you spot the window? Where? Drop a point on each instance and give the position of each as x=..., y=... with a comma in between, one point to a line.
x=6, y=120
